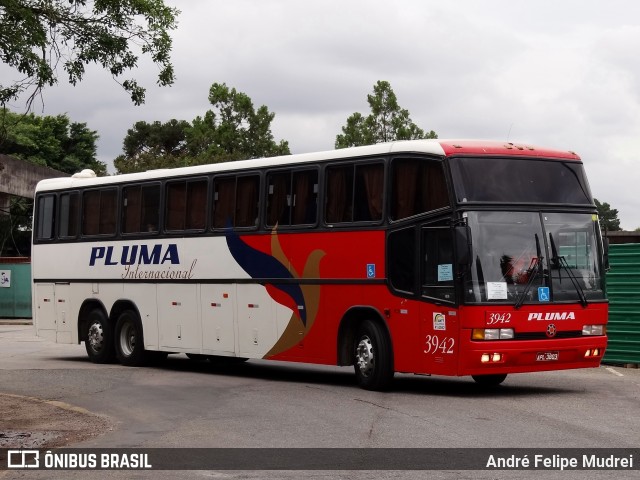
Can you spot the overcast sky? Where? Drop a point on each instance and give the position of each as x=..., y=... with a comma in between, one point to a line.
x=562, y=74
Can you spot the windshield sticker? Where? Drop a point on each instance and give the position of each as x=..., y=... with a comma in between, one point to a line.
x=543, y=294
x=496, y=290
x=439, y=321
x=445, y=272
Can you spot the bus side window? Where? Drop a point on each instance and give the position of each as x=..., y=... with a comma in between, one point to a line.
x=401, y=252
x=224, y=198
x=186, y=205
x=176, y=205
x=278, y=198
x=69, y=210
x=235, y=201
x=196, y=205
x=438, y=264
x=292, y=198
x=369, y=186
x=339, y=206
x=99, y=210
x=46, y=211
x=354, y=193
x=418, y=186
x=247, y=195
x=140, y=208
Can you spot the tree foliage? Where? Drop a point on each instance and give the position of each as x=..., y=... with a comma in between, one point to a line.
x=15, y=228
x=608, y=216
x=40, y=38
x=232, y=130
x=51, y=141
x=387, y=122
x=153, y=145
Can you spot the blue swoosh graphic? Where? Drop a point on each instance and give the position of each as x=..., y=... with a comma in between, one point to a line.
x=261, y=265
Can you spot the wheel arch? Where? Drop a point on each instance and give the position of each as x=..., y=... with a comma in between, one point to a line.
x=349, y=325
x=120, y=306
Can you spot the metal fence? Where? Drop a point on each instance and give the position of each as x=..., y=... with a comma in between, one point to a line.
x=15, y=288
x=623, y=291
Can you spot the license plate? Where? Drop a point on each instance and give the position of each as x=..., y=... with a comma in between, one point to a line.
x=547, y=356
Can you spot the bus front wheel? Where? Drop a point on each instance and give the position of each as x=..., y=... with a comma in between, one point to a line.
x=98, y=339
x=129, y=341
x=372, y=357
x=489, y=380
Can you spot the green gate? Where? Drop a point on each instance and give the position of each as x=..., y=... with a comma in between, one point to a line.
x=15, y=288
x=623, y=291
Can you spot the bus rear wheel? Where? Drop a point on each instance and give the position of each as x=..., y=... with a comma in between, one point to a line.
x=372, y=357
x=489, y=380
x=129, y=341
x=98, y=338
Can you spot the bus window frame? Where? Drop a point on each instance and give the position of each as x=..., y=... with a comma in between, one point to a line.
x=164, y=196
x=324, y=184
x=431, y=226
x=413, y=294
x=448, y=185
x=117, y=187
x=236, y=176
x=141, y=184
x=292, y=170
x=58, y=214
x=53, y=219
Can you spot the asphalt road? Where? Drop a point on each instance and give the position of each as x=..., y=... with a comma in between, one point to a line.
x=184, y=403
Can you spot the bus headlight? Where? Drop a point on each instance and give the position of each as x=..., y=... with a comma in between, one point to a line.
x=492, y=334
x=589, y=330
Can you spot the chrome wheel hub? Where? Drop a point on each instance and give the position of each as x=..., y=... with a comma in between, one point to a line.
x=96, y=337
x=365, y=359
x=128, y=339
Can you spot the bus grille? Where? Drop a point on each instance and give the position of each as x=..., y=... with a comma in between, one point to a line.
x=543, y=335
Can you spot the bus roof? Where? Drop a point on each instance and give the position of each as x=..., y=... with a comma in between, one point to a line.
x=434, y=147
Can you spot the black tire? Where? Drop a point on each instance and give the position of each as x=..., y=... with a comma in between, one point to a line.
x=155, y=357
x=129, y=341
x=98, y=338
x=372, y=357
x=490, y=380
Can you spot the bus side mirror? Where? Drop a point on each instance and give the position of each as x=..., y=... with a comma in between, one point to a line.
x=462, y=238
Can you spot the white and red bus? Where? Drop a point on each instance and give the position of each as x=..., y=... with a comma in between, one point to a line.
x=428, y=257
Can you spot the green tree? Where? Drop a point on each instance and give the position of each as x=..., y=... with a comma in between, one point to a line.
x=232, y=130
x=153, y=145
x=43, y=38
x=15, y=228
x=387, y=122
x=51, y=141
x=608, y=216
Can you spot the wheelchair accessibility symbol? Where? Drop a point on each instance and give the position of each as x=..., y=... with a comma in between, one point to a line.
x=371, y=270
x=543, y=294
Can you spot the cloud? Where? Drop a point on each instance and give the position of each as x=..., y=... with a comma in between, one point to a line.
x=558, y=74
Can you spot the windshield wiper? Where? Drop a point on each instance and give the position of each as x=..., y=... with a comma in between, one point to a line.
x=533, y=272
x=560, y=262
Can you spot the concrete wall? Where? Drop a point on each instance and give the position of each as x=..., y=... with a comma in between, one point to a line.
x=19, y=178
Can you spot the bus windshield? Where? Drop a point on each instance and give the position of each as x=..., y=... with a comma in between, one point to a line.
x=532, y=257
x=512, y=180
